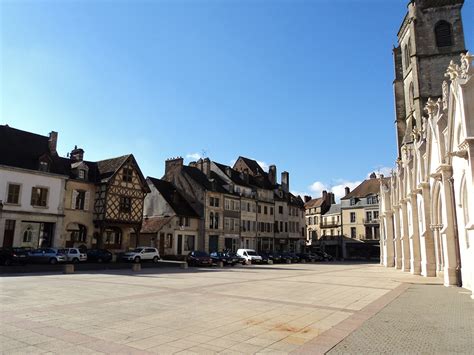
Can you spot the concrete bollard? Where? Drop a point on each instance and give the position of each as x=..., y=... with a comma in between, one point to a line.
x=220, y=264
x=183, y=265
x=288, y=261
x=303, y=261
x=270, y=262
x=68, y=269
x=136, y=267
x=114, y=258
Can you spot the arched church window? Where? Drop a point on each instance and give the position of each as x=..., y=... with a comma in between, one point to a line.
x=443, y=34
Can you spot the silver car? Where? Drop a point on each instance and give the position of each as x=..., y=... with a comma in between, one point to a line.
x=47, y=255
x=74, y=254
x=141, y=254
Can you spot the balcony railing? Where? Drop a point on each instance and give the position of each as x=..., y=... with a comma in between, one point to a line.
x=330, y=224
x=371, y=221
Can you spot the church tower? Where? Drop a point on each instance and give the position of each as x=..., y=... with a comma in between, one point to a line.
x=430, y=36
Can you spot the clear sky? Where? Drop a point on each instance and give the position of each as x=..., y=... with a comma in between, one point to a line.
x=305, y=85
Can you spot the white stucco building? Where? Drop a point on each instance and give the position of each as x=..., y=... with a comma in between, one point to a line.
x=32, y=187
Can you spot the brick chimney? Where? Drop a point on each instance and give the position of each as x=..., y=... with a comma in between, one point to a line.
x=285, y=181
x=272, y=174
x=332, y=198
x=307, y=198
x=77, y=154
x=173, y=165
x=373, y=176
x=347, y=190
x=53, y=142
x=325, y=195
x=206, y=167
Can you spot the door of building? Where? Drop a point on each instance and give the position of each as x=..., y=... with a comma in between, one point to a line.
x=213, y=243
x=180, y=245
x=9, y=233
x=162, y=244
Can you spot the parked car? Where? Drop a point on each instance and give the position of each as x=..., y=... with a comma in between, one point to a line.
x=74, y=255
x=47, y=255
x=9, y=256
x=264, y=257
x=290, y=256
x=226, y=258
x=274, y=257
x=198, y=258
x=99, y=255
x=323, y=255
x=250, y=255
x=237, y=258
x=307, y=257
x=141, y=254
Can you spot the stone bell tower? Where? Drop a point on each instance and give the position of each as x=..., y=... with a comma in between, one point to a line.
x=431, y=35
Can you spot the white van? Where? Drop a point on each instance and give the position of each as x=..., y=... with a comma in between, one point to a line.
x=249, y=255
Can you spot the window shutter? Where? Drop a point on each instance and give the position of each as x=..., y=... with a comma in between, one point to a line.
x=74, y=198
x=86, y=200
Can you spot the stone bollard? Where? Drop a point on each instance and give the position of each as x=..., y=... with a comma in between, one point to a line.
x=248, y=262
x=68, y=269
x=220, y=264
x=183, y=265
x=136, y=267
x=270, y=262
x=114, y=258
x=303, y=261
x=288, y=261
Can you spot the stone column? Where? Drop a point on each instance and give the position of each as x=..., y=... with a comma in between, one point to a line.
x=382, y=240
x=427, y=245
x=447, y=233
x=405, y=237
x=397, y=237
x=415, y=261
x=389, y=252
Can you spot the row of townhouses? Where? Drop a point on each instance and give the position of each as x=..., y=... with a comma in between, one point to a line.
x=49, y=200
x=210, y=206
x=350, y=228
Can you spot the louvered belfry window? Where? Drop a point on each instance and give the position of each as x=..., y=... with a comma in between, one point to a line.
x=443, y=34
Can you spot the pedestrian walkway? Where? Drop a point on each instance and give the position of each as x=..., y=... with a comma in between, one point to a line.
x=428, y=319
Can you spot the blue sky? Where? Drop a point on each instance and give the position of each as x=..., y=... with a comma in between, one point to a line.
x=305, y=85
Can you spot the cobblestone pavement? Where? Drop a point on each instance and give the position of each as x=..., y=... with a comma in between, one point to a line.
x=426, y=319
x=248, y=309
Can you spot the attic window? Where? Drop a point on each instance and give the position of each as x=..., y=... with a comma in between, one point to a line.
x=353, y=201
x=127, y=175
x=82, y=174
x=43, y=166
x=443, y=34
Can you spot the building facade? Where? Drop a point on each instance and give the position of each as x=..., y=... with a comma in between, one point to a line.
x=170, y=223
x=360, y=211
x=32, y=185
x=66, y=202
x=314, y=210
x=427, y=204
x=238, y=205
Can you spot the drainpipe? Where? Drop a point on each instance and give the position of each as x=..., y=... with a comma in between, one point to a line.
x=456, y=236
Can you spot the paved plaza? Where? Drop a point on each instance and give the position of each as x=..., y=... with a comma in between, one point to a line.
x=295, y=308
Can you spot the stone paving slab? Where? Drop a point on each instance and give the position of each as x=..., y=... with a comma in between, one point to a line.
x=426, y=319
x=252, y=309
